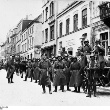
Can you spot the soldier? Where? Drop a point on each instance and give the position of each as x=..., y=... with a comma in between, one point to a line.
x=76, y=79
x=86, y=49
x=36, y=70
x=28, y=69
x=67, y=70
x=44, y=66
x=92, y=75
x=59, y=76
x=10, y=70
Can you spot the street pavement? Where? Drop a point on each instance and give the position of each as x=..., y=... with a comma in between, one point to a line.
x=26, y=93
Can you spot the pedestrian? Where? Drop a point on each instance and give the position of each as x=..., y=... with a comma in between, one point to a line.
x=10, y=69
x=45, y=66
x=76, y=78
x=67, y=70
x=59, y=76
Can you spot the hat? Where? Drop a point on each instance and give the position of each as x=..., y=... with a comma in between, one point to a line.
x=97, y=41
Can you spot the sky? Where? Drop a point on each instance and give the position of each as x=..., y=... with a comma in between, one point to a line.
x=12, y=11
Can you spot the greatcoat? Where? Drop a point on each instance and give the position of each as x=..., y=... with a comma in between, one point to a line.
x=45, y=66
x=59, y=76
x=76, y=78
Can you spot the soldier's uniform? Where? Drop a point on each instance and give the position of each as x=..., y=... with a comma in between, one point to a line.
x=10, y=70
x=86, y=49
x=44, y=66
x=36, y=70
x=76, y=78
x=92, y=75
x=59, y=76
x=67, y=71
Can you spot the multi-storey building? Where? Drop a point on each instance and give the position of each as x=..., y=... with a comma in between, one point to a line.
x=101, y=23
x=50, y=10
x=74, y=25
x=21, y=26
x=31, y=39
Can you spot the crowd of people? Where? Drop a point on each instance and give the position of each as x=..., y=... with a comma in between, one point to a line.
x=81, y=71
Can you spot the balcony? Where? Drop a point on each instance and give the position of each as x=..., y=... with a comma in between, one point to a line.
x=13, y=33
x=105, y=12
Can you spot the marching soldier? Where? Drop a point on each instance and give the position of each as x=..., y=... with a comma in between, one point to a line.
x=67, y=70
x=36, y=70
x=10, y=70
x=45, y=66
x=76, y=78
x=59, y=76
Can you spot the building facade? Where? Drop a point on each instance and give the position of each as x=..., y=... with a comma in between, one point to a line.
x=31, y=39
x=74, y=25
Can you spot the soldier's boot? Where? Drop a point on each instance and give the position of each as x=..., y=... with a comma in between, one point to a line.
x=60, y=88
x=89, y=92
x=63, y=89
x=94, y=89
x=31, y=79
x=50, y=92
x=75, y=89
x=22, y=75
x=43, y=87
x=35, y=81
x=8, y=80
x=68, y=87
x=79, y=89
x=12, y=79
x=55, y=89
x=25, y=78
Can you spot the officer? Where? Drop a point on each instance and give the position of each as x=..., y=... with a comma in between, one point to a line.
x=44, y=67
x=10, y=69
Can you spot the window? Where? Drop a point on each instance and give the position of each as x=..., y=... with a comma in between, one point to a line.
x=43, y=16
x=25, y=47
x=67, y=25
x=32, y=41
x=22, y=38
x=60, y=45
x=46, y=12
x=42, y=37
x=46, y=35
x=52, y=32
x=51, y=8
x=60, y=29
x=75, y=22
x=84, y=17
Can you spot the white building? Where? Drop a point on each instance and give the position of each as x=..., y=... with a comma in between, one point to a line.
x=73, y=25
x=31, y=39
x=50, y=10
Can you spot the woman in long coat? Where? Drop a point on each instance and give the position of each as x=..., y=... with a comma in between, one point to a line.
x=76, y=78
x=59, y=76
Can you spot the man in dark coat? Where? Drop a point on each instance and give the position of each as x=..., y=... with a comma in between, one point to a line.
x=10, y=70
x=59, y=76
x=67, y=70
x=44, y=67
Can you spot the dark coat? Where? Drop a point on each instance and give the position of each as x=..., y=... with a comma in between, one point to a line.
x=44, y=67
x=36, y=71
x=76, y=78
x=10, y=68
x=67, y=70
x=59, y=76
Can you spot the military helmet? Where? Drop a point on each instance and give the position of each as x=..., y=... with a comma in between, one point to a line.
x=86, y=41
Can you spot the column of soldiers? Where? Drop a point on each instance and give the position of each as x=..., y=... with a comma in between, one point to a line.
x=62, y=70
